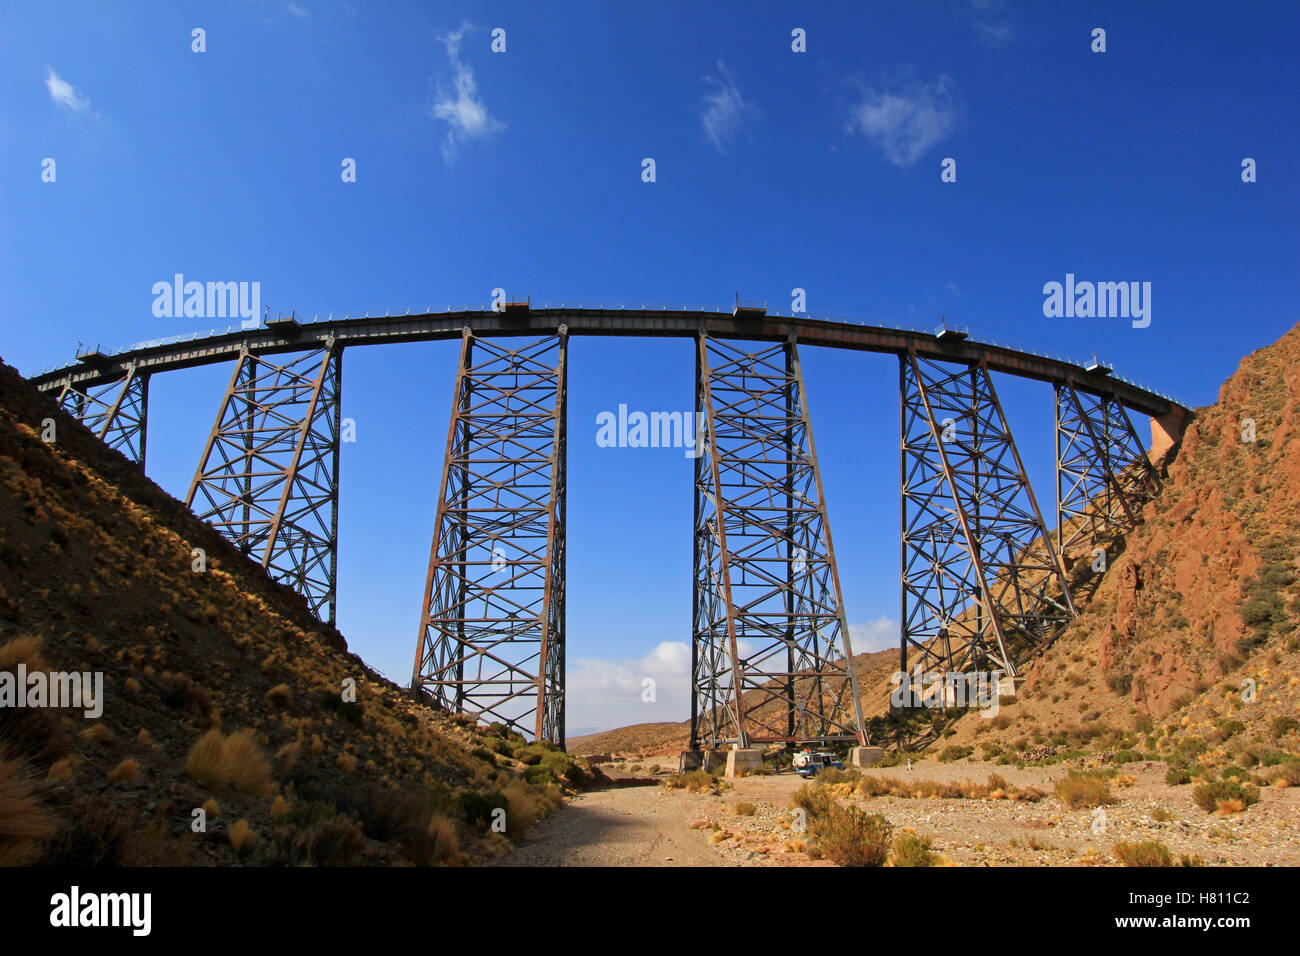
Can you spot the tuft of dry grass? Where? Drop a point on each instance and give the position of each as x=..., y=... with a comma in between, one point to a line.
x=22, y=650
x=1083, y=790
x=347, y=763
x=279, y=696
x=1145, y=853
x=24, y=821
x=125, y=772
x=445, y=843
x=216, y=760
x=242, y=836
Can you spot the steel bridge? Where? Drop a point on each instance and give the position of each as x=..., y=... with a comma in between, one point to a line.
x=985, y=581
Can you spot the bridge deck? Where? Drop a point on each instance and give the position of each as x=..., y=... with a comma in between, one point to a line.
x=221, y=346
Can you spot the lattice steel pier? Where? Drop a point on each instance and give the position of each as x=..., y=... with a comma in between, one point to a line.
x=491, y=638
x=771, y=658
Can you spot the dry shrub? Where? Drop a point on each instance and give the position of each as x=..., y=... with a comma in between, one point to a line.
x=1082, y=790
x=242, y=837
x=22, y=650
x=24, y=821
x=190, y=699
x=334, y=841
x=125, y=772
x=1144, y=853
x=444, y=845
x=347, y=763
x=744, y=809
x=216, y=760
x=279, y=807
x=911, y=849
x=279, y=696
x=100, y=835
x=851, y=837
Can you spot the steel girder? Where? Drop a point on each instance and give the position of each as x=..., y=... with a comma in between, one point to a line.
x=117, y=412
x=983, y=587
x=1103, y=474
x=771, y=655
x=491, y=638
x=269, y=476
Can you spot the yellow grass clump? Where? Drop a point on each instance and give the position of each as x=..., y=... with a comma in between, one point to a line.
x=217, y=760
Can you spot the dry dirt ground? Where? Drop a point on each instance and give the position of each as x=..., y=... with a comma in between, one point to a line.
x=651, y=826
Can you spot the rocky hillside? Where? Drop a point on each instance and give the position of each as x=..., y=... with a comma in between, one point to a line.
x=234, y=725
x=1192, y=640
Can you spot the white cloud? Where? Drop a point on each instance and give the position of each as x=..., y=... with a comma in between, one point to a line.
x=300, y=12
x=601, y=694
x=64, y=93
x=875, y=635
x=725, y=112
x=907, y=121
x=465, y=113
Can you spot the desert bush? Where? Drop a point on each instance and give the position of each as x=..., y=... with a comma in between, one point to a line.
x=954, y=752
x=693, y=781
x=24, y=821
x=850, y=837
x=125, y=772
x=911, y=849
x=216, y=760
x=1145, y=853
x=331, y=841
x=1214, y=795
x=241, y=836
x=98, y=835
x=182, y=694
x=744, y=809
x=437, y=844
x=279, y=696
x=1080, y=790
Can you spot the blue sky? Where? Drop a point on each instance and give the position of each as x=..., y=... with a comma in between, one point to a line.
x=774, y=170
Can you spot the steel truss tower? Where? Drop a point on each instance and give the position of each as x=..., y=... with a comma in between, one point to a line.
x=983, y=586
x=269, y=476
x=117, y=412
x=1103, y=475
x=491, y=638
x=771, y=655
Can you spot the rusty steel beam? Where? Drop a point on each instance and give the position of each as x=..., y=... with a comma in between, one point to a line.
x=1103, y=474
x=772, y=661
x=983, y=588
x=268, y=478
x=491, y=634
x=116, y=411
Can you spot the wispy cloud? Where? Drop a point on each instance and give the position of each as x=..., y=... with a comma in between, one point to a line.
x=875, y=635
x=907, y=120
x=992, y=27
x=301, y=13
x=725, y=113
x=603, y=694
x=465, y=113
x=64, y=93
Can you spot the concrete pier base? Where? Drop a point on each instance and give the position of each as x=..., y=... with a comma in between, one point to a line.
x=741, y=762
x=691, y=760
x=712, y=760
x=866, y=756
